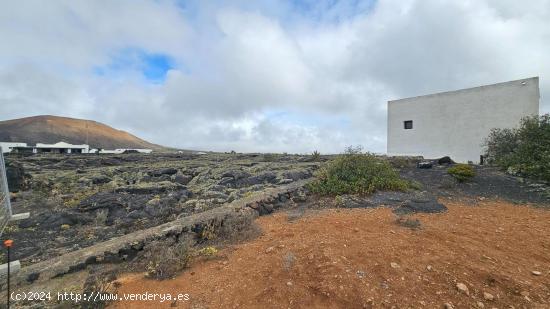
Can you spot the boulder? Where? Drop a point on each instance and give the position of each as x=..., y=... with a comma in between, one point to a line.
x=182, y=179
x=100, y=179
x=16, y=177
x=445, y=160
x=164, y=171
x=56, y=219
x=297, y=174
x=216, y=195
x=284, y=181
x=235, y=174
x=227, y=181
x=217, y=188
x=101, y=200
x=424, y=164
x=137, y=214
x=267, y=177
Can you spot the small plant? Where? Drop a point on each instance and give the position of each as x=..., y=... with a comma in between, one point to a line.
x=356, y=172
x=316, y=156
x=208, y=232
x=208, y=251
x=101, y=217
x=339, y=201
x=462, y=172
x=11, y=228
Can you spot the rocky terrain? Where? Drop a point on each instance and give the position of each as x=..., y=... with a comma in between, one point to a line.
x=105, y=209
x=77, y=201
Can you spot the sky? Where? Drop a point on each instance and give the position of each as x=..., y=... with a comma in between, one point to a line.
x=259, y=76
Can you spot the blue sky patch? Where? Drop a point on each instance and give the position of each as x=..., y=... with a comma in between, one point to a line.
x=153, y=66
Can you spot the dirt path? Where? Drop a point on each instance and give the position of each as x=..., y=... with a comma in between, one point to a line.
x=361, y=258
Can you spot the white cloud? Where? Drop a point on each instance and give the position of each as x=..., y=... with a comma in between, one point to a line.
x=332, y=68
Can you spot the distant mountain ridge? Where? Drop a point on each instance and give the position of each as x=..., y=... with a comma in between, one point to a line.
x=52, y=129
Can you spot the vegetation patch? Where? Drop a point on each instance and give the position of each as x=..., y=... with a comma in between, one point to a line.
x=102, y=284
x=316, y=156
x=168, y=261
x=359, y=173
x=208, y=251
x=462, y=172
x=523, y=151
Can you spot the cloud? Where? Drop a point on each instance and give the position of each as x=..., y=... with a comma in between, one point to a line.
x=260, y=76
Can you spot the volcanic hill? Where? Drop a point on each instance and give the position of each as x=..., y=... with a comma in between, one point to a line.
x=53, y=129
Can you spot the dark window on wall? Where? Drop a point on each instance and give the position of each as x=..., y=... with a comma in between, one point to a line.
x=408, y=124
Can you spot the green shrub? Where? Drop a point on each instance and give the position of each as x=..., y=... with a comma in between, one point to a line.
x=316, y=156
x=462, y=172
x=356, y=172
x=525, y=150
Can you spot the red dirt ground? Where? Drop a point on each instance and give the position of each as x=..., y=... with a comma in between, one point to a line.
x=343, y=259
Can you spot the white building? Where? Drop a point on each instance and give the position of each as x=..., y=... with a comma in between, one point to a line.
x=122, y=150
x=8, y=147
x=455, y=123
x=60, y=147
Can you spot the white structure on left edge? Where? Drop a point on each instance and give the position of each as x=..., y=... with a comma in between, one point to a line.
x=60, y=147
x=6, y=214
x=455, y=123
x=8, y=147
x=63, y=147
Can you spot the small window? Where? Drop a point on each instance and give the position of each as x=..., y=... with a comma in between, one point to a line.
x=408, y=124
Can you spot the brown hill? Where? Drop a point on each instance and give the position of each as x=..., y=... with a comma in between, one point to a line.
x=53, y=129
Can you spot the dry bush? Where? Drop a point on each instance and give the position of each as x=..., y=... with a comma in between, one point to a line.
x=102, y=285
x=101, y=217
x=165, y=261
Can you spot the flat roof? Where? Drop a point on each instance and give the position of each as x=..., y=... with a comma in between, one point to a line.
x=536, y=78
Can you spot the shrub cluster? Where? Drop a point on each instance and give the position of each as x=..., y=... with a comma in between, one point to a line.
x=462, y=172
x=525, y=150
x=356, y=172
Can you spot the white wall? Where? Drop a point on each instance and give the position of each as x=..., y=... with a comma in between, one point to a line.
x=7, y=147
x=455, y=123
x=120, y=151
